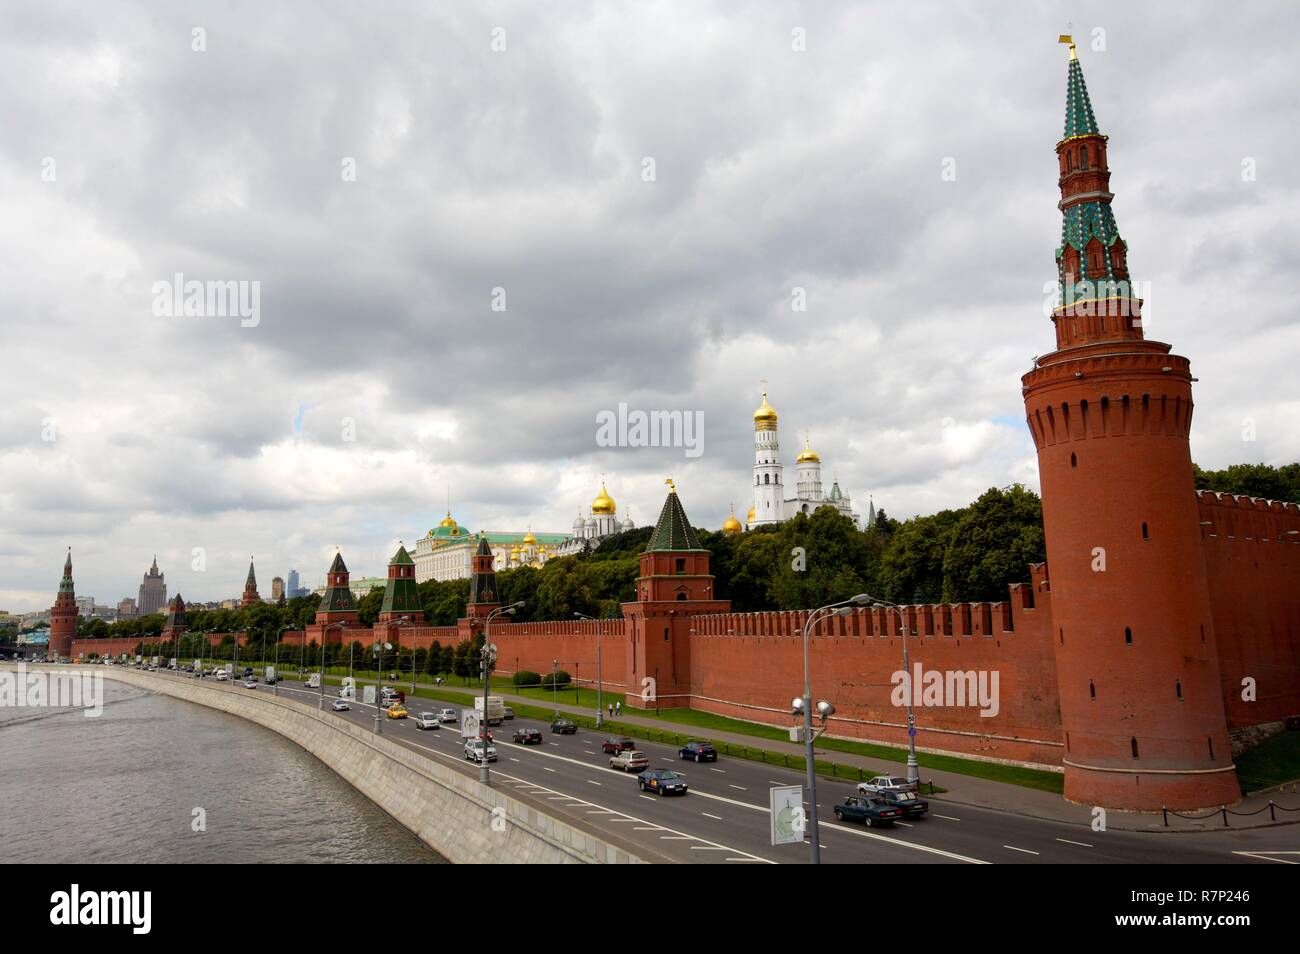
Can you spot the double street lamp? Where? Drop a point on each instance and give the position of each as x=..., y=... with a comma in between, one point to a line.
x=487, y=659
x=379, y=648
x=803, y=706
x=913, y=770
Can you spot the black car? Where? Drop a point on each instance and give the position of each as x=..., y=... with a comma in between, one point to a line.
x=528, y=736
x=912, y=804
x=661, y=782
x=564, y=727
x=699, y=751
x=868, y=809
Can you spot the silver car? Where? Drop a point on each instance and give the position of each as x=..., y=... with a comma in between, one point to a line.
x=474, y=751
x=886, y=783
x=448, y=715
x=427, y=720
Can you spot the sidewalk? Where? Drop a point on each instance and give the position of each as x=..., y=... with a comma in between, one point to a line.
x=961, y=789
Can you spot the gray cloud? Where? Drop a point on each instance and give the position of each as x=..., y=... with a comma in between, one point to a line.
x=523, y=170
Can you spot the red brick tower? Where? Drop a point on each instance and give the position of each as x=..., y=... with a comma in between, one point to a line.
x=402, y=593
x=63, y=615
x=175, y=625
x=675, y=585
x=1110, y=412
x=337, y=604
x=483, y=594
x=250, y=588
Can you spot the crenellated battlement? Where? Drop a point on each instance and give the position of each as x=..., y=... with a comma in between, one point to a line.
x=1112, y=413
x=955, y=620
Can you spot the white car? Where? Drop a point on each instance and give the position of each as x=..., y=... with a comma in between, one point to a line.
x=448, y=715
x=221, y=675
x=885, y=783
x=338, y=705
x=474, y=751
x=427, y=720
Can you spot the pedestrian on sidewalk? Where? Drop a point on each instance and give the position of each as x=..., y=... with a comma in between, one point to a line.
x=611, y=710
x=618, y=708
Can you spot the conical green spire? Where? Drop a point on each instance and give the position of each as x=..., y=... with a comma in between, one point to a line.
x=401, y=557
x=673, y=531
x=65, y=584
x=1079, y=120
x=338, y=566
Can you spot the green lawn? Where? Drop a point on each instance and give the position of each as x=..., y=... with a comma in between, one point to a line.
x=1270, y=763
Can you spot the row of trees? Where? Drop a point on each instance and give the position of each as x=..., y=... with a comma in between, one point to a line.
x=1254, y=480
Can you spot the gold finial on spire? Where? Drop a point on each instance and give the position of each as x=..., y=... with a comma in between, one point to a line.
x=672, y=488
x=1069, y=38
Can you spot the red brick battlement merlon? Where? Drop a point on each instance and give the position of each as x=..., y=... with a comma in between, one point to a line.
x=1252, y=559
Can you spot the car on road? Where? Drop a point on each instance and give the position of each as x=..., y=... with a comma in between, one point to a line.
x=427, y=720
x=629, y=760
x=661, y=782
x=338, y=705
x=448, y=715
x=508, y=713
x=474, y=749
x=221, y=675
x=912, y=804
x=397, y=712
x=249, y=684
x=564, y=727
x=698, y=751
x=868, y=810
x=882, y=783
x=527, y=736
x=617, y=743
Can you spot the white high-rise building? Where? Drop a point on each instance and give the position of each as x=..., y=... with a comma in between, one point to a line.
x=771, y=502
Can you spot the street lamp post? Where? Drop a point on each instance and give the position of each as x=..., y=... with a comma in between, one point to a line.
x=600, y=702
x=379, y=671
x=804, y=706
x=913, y=769
x=487, y=659
x=555, y=692
x=275, y=688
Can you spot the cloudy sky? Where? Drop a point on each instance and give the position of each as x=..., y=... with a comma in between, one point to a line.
x=648, y=184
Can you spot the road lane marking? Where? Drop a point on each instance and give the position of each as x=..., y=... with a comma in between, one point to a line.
x=547, y=768
x=1081, y=844
x=741, y=787
x=649, y=828
x=649, y=798
x=706, y=848
x=714, y=817
x=1267, y=856
x=949, y=817
x=720, y=771
x=1025, y=850
x=592, y=781
x=682, y=838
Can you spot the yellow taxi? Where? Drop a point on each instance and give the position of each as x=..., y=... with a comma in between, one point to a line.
x=397, y=712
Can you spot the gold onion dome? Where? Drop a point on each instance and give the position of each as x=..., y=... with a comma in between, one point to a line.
x=447, y=521
x=765, y=416
x=731, y=524
x=603, y=503
x=807, y=455
x=529, y=539
x=749, y=517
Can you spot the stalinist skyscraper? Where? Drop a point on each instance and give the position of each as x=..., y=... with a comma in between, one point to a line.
x=153, y=591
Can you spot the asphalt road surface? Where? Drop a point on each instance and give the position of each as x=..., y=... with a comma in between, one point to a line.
x=724, y=816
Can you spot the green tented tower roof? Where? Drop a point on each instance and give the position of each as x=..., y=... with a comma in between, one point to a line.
x=1079, y=120
x=673, y=531
x=401, y=558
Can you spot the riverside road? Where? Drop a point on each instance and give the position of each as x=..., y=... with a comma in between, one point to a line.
x=724, y=817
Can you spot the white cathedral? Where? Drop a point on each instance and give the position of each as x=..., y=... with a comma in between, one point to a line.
x=772, y=501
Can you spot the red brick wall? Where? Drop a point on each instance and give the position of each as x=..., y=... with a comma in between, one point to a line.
x=532, y=646
x=755, y=673
x=115, y=646
x=1254, y=578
